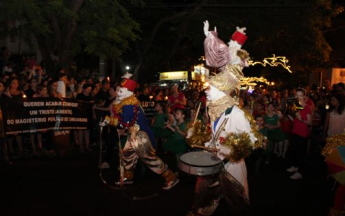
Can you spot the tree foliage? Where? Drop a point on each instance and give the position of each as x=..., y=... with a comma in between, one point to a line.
x=167, y=34
x=283, y=27
x=66, y=27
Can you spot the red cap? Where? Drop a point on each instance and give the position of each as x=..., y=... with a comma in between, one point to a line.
x=129, y=84
x=239, y=37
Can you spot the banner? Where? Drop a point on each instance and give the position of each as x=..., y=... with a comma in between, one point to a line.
x=148, y=107
x=41, y=114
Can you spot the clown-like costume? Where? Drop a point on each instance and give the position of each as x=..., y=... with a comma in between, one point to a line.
x=234, y=134
x=127, y=114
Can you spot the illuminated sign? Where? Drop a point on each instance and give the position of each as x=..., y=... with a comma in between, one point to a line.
x=174, y=75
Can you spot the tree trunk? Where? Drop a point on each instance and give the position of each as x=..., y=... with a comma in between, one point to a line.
x=64, y=37
x=48, y=61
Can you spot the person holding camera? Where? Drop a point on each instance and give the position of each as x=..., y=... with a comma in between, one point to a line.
x=300, y=134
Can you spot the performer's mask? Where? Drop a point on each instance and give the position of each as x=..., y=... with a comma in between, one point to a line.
x=213, y=93
x=124, y=93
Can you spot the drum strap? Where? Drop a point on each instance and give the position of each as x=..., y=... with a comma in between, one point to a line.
x=220, y=129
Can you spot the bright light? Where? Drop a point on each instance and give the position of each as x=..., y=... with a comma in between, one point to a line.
x=252, y=80
x=206, y=85
x=250, y=90
x=127, y=67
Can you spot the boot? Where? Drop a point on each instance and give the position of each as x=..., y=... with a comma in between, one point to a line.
x=128, y=178
x=171, y=179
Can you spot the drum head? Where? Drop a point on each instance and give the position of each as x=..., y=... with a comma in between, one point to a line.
x=200, y=158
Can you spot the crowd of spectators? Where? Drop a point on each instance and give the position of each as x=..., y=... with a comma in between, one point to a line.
x=294, y=121
x=288, y=132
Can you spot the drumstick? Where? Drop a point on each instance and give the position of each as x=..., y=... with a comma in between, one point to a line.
x=197, y=113
x=204, y=148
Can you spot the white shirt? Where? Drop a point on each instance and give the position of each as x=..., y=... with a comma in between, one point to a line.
x=61, y=88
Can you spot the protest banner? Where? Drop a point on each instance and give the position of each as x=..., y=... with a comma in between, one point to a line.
x=41, y=114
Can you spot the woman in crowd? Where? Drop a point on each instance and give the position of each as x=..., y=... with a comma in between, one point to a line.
x=13, y=91
x=52, y=89
x=335, y=124
x=335, y=119
x=3, y=144
x=176, y=99
x=32, y=88
x=159, y=95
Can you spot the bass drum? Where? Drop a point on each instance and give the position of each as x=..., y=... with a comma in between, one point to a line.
x=200, y=163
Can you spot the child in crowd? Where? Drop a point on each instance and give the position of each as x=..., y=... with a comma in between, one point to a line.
x=192, y=113
x=177, y=143
x=171, y=118
x=266, y=99
x=158, y=122
x=275, y=134
x=258, y=109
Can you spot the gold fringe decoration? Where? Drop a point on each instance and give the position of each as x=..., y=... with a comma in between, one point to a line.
x=112, y=121
x=217, y=108
x=259, y=142
x=240, y=144
x=131, y=100
x=201, y=134
x=332, y=143
x=228, y=79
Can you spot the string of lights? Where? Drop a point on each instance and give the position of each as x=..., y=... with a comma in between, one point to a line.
x=273, y=62
x=253, y=80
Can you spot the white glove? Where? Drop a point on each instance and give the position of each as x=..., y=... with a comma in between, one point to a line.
x=224, y=150
x=103, y=123
x=207, y=144
x=241, y=29
x=190, y=132
x=206, y=27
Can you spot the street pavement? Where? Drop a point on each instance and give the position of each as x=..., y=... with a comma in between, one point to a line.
x=71, y=185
